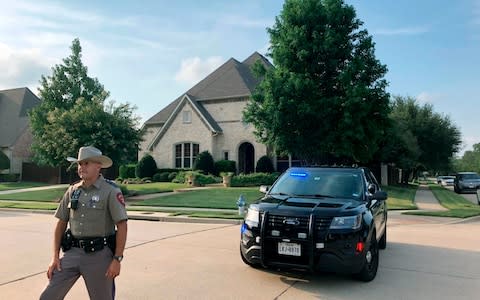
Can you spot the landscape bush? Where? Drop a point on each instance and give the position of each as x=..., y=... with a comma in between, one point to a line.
x=225, y=166
x=204, y=163
x=127, y=171
x=146, y=167
x=161, y=177
x=254, y=179
x=264, y=165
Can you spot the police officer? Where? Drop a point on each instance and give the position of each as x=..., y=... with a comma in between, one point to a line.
x=95, y=209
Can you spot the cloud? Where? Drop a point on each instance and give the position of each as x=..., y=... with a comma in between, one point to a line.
x=21, y=68
x=476, y=13
x=193, y=69
x=246, y=22
x=468, y=142
x=401, y=31
x=426, y=97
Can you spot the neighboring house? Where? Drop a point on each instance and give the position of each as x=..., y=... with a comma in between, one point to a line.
x=208, y=117
x=15, y=133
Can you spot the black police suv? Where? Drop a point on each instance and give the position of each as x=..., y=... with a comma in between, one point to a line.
x=327, y=219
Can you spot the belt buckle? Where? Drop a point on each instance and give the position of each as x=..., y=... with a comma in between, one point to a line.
x=81, y=244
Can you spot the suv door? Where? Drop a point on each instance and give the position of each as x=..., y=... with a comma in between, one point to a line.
x=379, y=208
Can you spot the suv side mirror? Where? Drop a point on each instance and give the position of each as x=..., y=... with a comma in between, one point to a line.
x=264, y=189
x=372, y=188
x=380, y=195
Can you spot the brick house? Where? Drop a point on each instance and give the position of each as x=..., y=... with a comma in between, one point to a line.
x=15, y=133
x=208, y=117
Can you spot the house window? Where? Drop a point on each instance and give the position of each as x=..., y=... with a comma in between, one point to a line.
x=186, y=154
x=225, y=155
x=187, y=117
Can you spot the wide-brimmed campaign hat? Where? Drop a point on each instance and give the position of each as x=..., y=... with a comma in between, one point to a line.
x=93, y=154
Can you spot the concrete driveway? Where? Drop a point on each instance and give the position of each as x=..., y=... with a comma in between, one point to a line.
x=426, y=258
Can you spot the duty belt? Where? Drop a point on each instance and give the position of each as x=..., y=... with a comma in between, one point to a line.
x=94, y=244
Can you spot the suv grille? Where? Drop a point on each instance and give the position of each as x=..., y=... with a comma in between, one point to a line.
x=290, y=224
x=296, y=229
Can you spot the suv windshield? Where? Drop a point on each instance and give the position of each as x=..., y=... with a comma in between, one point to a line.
x=320, y=183
x=469, y=176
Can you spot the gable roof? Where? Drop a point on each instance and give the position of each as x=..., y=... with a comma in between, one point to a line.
x=199, y=109
x=14, y=107
x=232, y=79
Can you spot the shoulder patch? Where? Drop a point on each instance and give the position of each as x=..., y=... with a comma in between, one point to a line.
x=112, y=183
x=121, y=199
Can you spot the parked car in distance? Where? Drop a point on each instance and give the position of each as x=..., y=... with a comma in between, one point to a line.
x=466, y=181
x=331, y=219
x=447, y=180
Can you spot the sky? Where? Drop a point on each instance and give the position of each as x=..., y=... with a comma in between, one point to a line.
x=148, y=53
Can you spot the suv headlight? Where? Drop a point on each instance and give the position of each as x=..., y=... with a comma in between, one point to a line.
x=252, y=218
x=348, y=222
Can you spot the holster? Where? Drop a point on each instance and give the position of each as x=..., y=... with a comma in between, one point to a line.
x=89, y=245
x=67, y=240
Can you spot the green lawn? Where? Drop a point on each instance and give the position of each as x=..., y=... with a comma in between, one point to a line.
x=401, y=197
x=28, y=205
x=51, y=195
x=4, y=186
x=206, y=198
x=458, y=206
x=155, y=187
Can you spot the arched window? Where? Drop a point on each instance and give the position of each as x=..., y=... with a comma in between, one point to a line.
x=185, y=155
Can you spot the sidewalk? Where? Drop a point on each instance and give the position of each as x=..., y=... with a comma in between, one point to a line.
x=425, y=200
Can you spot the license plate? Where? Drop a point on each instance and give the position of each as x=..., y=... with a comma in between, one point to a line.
x=289, y=249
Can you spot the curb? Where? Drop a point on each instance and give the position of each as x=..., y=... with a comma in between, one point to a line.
x=137, y=216
x=185, y=220
x=466, y=220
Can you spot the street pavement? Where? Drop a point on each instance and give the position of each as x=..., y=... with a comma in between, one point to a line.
x=426, y=258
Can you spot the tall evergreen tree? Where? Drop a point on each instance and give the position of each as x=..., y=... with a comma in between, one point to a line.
x=325, y=99
x=73, y=113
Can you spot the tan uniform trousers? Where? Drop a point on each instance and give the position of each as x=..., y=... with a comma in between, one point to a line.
x=91, y=266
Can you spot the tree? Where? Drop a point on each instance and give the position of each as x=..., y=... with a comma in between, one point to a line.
x=73, y=113
x=264, y=165
x=325, y=99
x=204, y=162
x=470, y=161
x=146, y=167
x=420, y=138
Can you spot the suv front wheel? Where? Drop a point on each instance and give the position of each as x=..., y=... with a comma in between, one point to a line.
x=369, y=270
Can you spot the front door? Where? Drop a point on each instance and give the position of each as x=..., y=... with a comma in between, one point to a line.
x=246, y=158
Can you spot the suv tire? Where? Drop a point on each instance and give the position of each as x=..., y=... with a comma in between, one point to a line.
x=369, y=270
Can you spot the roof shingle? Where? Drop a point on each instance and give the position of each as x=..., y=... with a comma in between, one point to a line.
x=14, y=107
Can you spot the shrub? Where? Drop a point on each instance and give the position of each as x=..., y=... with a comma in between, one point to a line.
x=204, y=163
x=127, y=171
x=9, y=177
x=202, y=179
x=172, y=176
x=264, y=165
x=162, y=177
x=225, y=166
x=180, y=177
x=146, y=167
x=124, y=190
x=254, y=179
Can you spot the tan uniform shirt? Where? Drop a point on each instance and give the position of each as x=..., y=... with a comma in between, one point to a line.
x=100, y=207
